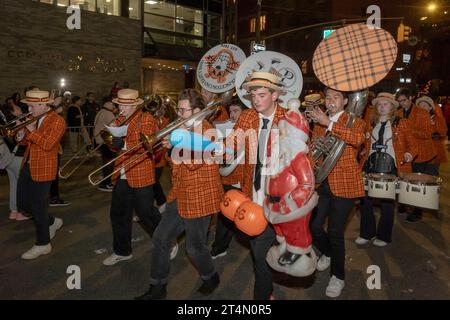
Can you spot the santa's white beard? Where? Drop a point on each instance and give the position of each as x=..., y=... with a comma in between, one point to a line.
x=288, y=146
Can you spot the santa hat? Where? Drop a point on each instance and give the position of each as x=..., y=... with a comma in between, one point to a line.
x=295, y=119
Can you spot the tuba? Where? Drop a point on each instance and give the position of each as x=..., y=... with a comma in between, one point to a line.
x=326, y=151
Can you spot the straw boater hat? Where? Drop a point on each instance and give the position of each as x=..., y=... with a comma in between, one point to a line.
x=263, y=79
x=128, y=97
x=37, y=97
x=385, y=96
x=312, y=100
x=426, y=99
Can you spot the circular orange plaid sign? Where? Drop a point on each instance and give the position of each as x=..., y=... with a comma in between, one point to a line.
x=354, y=57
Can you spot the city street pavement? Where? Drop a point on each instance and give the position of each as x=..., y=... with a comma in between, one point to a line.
x=414, y=266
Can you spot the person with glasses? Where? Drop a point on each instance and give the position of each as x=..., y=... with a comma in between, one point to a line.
x=195, y=196
x=420, y=125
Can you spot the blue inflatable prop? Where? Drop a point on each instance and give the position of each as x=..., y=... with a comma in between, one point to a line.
x=183, y=139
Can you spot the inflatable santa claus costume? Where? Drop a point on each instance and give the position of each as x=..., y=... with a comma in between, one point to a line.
x=290, y=196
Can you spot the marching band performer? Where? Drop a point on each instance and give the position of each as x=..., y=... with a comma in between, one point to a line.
x=224, y=226
x=422, y=132
x=133, y=186
x=222, y=114
x=39, y=169
x=195, y=196
x=389, y=149
x=338, y=192
x=264, y=89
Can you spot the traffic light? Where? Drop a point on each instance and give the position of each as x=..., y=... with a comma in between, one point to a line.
x=400, y=31
x=403, y=33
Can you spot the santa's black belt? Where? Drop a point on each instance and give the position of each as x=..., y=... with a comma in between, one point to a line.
x=274, y=199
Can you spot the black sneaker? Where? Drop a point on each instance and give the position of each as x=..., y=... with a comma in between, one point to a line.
x=411, y=218
x=155, y=292
x=217, y=254
x=106, y=188
x=208, y=286
x=59, y=203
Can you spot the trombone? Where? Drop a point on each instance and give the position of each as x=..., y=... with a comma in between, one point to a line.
x=151, y=142
x=11, y=128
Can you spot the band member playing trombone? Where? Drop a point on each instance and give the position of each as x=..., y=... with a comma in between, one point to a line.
x=338, y=191
x=133, y=187
x=195, y=196
x=39, y=168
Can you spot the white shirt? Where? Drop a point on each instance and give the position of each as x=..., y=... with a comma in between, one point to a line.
x=258, y=196
x=387, y=139
x=334, y=119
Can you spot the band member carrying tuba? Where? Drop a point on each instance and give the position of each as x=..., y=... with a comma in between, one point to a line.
x=339, y=190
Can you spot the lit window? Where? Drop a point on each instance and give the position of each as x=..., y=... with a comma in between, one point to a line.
x=262, y=24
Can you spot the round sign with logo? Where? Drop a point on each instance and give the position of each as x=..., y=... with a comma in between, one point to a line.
x=285, y=68
x=217, y=69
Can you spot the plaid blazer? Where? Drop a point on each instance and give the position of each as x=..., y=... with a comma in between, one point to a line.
x=196, y=186
x=142, y=172
x=222, y=115
x=234, y=177
x=439, y=127
x=43, y=145
x=249, y=120
x=402, y=142
x=419, y=123
x=346, y=180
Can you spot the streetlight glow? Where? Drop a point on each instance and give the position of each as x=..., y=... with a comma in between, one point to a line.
x=432, y=7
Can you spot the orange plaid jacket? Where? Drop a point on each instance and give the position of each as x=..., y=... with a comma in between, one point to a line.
x=402, y=142
x=43, y=145
x=196, y=187
x=142, y=172
x=346, y=180
x=249, y=120
x=235, y=177
x=439, y=126
x=420, y=125
x=222, y=115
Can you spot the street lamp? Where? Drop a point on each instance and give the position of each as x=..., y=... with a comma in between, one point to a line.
x=431, y=7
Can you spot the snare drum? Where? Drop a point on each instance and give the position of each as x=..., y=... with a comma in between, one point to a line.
x=420, y=190
x=381, y=185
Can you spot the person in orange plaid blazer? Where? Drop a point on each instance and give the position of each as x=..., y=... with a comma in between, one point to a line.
x=222, y=113
x=133, y=184
x=396, y=143
x=195, y=196
x=39, y=169
x=420, y=125
x=224, y=226
x=439, y=128
x=160, y=163
x=264, y=89
x=338, y=192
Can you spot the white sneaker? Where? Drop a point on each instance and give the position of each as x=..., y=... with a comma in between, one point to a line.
x=323, y=263
x=114, y=258
x=379, y=243
x=37, y=251
x=136, y=218
x=361, y=241
x=174, y=251
x=57, y=224
x=335, y=287
x=162, y=208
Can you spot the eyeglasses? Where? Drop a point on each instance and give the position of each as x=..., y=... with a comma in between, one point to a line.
x=182, y=110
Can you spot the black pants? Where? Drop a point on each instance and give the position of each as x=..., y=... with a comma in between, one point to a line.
x=54, y=187
x=124, y=201
x=32, y=197
x=172, y=225
x=369, y=228
x=160, y=197
x=107, y=155
x=224, y=229
x=331, y=243
x=260, y=245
